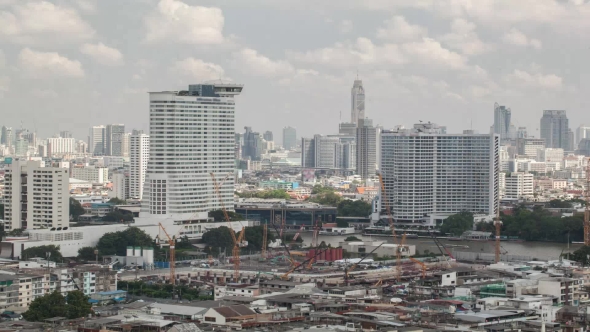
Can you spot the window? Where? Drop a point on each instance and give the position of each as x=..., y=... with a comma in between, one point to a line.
x=210, y=319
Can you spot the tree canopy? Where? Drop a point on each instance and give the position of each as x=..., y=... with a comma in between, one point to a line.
x=276, y=193
x=582, y=255
x=41, y=251
x=557, y=203
x=117, y=201
x=325, y=196
x=350, y=208
x=351, y=239
x=118, y=216
x=87, y=253
x=254, y=236
x=217, y=215
x=458, y=223
x=75, y=305
x=115, y=243
x=539, y=225
x=76, y=209
x=221, y=238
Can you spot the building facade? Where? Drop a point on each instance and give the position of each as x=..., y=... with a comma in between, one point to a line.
x=96, y=140
x=358, y=102
x=91, y=174
x=252, y=145
x=192, y=134
x=555, y=129
x=268, y=136
x=428, y=175
x=289, y=138
x=35, y=196
x=502, y=118
x=518, y=185
x=529, y=147
x=366, y=149
x=60, y=145
x=114, y=140
x=139, y=153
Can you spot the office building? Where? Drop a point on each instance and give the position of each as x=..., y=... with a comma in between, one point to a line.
x=518, y=185
x=125, y=145
x=358, y=102
x=96, y=141
x=366, y=149
x=289, y=138
x=139, y=153
x=92, y=174
x=238, y=146
x=7, y=137
x=571, y=140
x=60, y=145
x=336, y=152
x=192, y=134
x=581, y=133
x=307, y=152
x=555, y=128
x=550, y=155
x=21, y=147
x=529, y=146
x=65, y=134
x=82, y=147
x=502, y=118
x=35, y=196
x=428, y=175
x=252, y=148
x=521, y=132
x=114, y=139
x=268, y=136
x=347, y=128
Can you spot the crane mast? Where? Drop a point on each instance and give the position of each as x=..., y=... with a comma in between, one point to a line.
x=587, y=210
x=172, y=245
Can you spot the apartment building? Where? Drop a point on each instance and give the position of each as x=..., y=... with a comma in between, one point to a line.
x=92, y=174
x=518, y=185
x=35, y=196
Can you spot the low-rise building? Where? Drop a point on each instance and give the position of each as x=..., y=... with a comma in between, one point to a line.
x=234, y=315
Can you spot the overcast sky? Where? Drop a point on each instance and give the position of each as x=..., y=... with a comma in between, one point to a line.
x=70, y=64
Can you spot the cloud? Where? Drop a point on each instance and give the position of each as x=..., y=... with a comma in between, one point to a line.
x=345, y=26
x=536, y=80
x=45, y=93
x=515, y=37
x=48, y=64
x=2, y=59
x=42, y=22
x=464, y=39
x=398, y=29
x=4, y=84
x=197, y=69
x=178, y=22
x=250, y=61
x=103, y=54
x=431, y=52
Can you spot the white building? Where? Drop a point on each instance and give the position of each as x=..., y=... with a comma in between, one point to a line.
x=35, y=196
x=519, y=185
x=126, y=142
x=97, y=141
x=121, y=187
x=60, y=145
x=192, y=134
x=139, y=152
x=91, y=174
x=429, y=175
x=550, y=155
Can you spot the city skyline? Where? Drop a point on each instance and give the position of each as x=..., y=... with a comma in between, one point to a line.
x=99, y=77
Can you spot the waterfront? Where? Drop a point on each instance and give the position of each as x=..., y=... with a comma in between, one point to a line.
x=539, y=250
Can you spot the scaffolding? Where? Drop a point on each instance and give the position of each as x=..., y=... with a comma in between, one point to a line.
x=494, y=290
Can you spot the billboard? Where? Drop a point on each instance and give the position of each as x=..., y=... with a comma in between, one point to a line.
x=308, y=174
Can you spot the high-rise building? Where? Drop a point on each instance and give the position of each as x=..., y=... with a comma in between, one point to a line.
x=7, y=137
x=92, y=174
x=35, y=196
x=139, y=153
x=521, y=132
x=21, y=147
x=518, y=185
x=96, y=141
x=114, y=140
x=358, y=102
x=60, y=145
x=125, y=144
x=366, y=149
x=329, y=152
x=82, y=147
x=502, y=118
x=65, y=134
x=268, y=136
x=347, y=128
x=192, y=134
x=529, y=146
x=428, y=175
x=289, y=138
x=252, y=145
x=326, y=151
x=555, y=128
x=121, y=186
x=307, y=152
x=581, y=133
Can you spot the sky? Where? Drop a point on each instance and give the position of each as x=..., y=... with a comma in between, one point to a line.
x=71, y=64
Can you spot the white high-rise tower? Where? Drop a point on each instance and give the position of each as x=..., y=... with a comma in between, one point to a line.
x=139, y=152
x=192, y=134
x=358, y=102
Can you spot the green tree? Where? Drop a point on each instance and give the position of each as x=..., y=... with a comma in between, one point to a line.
x=41, y=251
x=87, y=253
x=458, y=223
x=47, y=306
x=117, y=201
x=218, y=238
x=255, y=235
x=329, y=198
x=319, y=189
x=78, y=305
x=276, y=194
x=351, y=239
x=118, y=216
x=557, y=203
x=76, y=209
x=582, y=255
x=218, y=216
x=115, y=243
x=350, y=208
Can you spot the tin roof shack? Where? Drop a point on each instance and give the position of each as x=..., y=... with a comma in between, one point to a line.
x=232, y=316
x=102, y=298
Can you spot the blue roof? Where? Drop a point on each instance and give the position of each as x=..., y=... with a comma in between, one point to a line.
x=92, y=301
x=112, y=292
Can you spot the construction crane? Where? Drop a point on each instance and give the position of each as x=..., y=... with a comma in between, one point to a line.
x=498, y=225
x=297, y=266
x=440, y=247
x=422, y=265
x=237, y=244
x=355, y=265
x=172, y=247
x=398, y=266
x=279, y=233
x=264, y=241
x=587, y=210
x=297, y=234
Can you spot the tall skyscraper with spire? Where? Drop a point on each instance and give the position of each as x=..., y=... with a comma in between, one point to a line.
x=358, y=102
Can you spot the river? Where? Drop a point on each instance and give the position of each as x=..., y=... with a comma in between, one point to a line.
x=539, y=250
